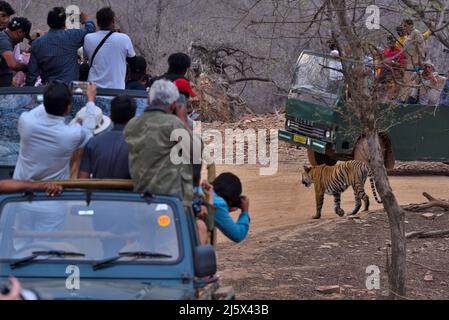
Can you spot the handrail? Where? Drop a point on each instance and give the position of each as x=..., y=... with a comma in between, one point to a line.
x=96, y=184
x=100, y=92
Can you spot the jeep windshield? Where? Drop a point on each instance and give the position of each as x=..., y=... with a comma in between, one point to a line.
x=55, y=230
x=318, y=76
x=15, y=101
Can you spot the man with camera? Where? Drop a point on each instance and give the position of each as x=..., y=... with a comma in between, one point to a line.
x=108, y=52
x=223, y=196
x=46, y=141
x=54, y=56
x=227, y=198
x=149, y=138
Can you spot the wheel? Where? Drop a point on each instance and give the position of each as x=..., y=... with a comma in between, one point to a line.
x=361, y=152
x=317, y=159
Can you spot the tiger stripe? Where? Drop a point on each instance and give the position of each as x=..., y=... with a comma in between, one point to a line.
x=336, y=180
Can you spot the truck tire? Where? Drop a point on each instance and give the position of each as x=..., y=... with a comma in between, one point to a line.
x=317, y=159
x=361, y=151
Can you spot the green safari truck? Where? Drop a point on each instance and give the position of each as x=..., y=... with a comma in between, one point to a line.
x=317, y=119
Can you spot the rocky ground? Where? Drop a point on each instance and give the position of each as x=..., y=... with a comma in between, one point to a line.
x=329, y=260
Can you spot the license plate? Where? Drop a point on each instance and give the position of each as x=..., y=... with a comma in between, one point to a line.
x=300, y=139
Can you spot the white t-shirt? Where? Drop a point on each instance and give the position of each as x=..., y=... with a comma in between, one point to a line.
x=109, y=68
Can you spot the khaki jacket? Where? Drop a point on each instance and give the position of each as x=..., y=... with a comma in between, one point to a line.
x=150, y=155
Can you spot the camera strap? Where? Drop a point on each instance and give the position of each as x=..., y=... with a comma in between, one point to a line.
x=99, y=47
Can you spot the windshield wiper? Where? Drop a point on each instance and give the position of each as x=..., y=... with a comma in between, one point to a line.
x=136, y=255
x=37, y=254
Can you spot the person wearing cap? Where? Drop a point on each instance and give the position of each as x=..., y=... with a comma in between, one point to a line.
x=47, y=142
x=428, y=85
x=106, y=155
x=184, y=88
x=137, y=73
x=6, y=11
x=54, y=56
x=18, y=29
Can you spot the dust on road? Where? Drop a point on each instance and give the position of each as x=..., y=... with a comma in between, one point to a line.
x=281, y=200
x=287, y=254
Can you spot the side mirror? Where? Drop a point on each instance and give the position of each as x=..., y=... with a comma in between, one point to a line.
x=205, y=261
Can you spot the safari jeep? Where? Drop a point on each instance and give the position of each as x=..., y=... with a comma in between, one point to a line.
x=317, y=119
x=98, y=240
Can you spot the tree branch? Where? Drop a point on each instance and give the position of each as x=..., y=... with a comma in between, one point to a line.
x=432, y=204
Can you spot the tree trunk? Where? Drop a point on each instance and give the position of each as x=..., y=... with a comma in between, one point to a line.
x=396, y=217
x=157, y=36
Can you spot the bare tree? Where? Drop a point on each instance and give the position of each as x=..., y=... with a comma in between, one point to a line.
x=364, y=103
x=343, y=23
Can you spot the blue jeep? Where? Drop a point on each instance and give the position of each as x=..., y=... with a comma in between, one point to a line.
x=91, y=243
x=98, y=240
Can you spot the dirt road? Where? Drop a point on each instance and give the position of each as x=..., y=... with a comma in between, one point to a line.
x=281, y=200
x=287, y=254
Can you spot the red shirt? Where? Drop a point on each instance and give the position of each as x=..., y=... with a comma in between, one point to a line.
x=394, y=56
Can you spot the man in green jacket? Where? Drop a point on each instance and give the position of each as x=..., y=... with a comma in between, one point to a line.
x=159, y=146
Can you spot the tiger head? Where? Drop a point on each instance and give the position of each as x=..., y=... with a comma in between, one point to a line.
x=307, y=179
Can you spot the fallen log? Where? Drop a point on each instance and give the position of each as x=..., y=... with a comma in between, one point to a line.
x=433, y=203
x=424, y=235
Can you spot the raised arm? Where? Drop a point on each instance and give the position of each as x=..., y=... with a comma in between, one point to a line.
x=89, y=123
x=77, y=35
x=33, y=70
x=236, y=231
x=12, y=63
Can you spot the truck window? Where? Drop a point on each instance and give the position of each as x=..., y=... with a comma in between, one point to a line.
x=319, y=75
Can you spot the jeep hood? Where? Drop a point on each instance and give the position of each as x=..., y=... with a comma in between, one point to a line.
x=107, y=290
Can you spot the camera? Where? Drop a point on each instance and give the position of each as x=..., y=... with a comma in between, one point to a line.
x=79, y=87
x=197, y=203
x=237, y=203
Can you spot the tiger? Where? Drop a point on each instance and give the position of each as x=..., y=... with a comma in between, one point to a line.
x=336, y=180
